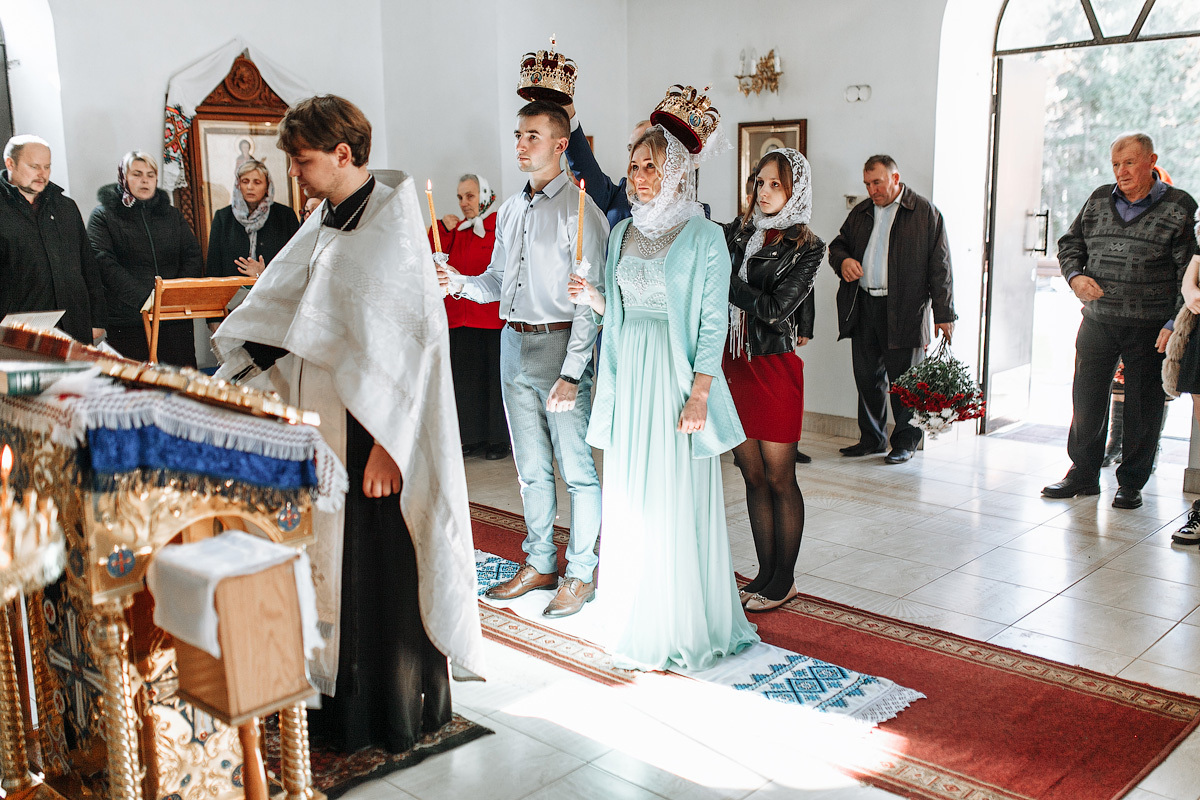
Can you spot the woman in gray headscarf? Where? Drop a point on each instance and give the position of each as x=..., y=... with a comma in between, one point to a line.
x=246, y=235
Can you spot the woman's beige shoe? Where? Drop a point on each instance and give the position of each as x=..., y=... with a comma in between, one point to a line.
x=757, y=603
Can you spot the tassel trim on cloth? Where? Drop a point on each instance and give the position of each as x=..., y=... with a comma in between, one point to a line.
x=737, y=332
x=888, y=705
x=1185, y=324
x=260, y=497
x=68, y=419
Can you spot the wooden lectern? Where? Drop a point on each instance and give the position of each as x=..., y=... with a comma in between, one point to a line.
x=187, y=298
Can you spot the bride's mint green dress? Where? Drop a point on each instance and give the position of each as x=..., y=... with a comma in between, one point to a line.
x=666, y=576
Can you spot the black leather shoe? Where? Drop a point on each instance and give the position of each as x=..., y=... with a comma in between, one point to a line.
x=495, y=452
x=861, y=449
x=897, y=456
x=1127, y=498
x=472, y=449
x=1070, y=487
x=803, y=458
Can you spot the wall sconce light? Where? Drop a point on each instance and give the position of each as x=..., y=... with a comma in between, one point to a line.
x=858, y=94
x=765, y=75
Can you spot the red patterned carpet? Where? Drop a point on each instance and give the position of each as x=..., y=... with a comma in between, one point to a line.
x=997, y=725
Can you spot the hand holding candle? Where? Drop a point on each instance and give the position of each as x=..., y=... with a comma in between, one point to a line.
x=437, y=239
x=579, y=233
x=6, y=465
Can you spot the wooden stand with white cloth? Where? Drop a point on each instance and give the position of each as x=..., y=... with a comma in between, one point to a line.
x=91, y=633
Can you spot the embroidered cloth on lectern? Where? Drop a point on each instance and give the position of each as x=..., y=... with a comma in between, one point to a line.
x=71, y=420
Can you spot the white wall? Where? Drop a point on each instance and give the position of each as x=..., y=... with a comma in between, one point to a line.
x=438, y=83
x=440, y=93
x=824, y=47
x=34, y=79
x=115, y=58
x=594, y=35
x=961, y=165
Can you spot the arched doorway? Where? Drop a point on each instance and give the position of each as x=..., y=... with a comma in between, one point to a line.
x=1068, y=77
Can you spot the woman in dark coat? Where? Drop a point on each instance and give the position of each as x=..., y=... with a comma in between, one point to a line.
x=137, y=235
x=775, y=258
x=247, y=234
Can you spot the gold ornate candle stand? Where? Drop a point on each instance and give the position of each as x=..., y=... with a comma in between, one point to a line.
x=111, y=535
x=31, y=556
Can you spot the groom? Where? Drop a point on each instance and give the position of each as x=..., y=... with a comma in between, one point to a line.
x=545, y=356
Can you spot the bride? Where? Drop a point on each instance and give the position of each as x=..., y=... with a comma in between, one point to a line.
x=663, y=415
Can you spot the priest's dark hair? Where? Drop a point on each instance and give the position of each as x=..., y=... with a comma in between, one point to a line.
x=322, y=123
x=560, y=123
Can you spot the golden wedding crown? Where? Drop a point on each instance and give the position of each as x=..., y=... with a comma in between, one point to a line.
x=688, y=114
x=547, y=75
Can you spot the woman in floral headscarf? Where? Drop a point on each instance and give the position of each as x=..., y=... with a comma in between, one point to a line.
x=138, y=235
x=775, y=258
x=474, y=327
x=246, y=235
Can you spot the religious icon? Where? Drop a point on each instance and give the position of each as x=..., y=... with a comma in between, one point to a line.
x=756, y=139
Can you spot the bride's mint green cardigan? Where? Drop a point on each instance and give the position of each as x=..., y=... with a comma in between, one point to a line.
x=697, y=272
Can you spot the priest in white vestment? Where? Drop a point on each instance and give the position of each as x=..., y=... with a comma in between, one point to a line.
x=348, y=320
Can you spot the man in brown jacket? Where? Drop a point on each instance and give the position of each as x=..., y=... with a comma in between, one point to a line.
x=894, y=264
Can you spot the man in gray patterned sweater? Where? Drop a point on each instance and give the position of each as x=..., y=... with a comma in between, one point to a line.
x=1124, y=257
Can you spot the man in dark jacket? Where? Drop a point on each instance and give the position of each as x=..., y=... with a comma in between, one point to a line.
x=46, y=262
x=894, y=264
x=1124, y=256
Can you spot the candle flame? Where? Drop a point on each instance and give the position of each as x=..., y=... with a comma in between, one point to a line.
x=6, y=461
x=582, y=184
x=429, y=185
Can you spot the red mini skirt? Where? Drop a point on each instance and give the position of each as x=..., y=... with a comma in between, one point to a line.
x=769, y=394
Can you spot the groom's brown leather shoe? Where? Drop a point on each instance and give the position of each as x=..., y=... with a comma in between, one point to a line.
x=526, y=580
x=570, y=598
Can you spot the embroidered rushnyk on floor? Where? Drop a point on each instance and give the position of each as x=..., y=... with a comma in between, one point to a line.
x=765, y=669
x=996, y=724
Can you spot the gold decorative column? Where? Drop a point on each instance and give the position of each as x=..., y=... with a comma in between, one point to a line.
x=17, y=783
x=120, y=725
x=14, y=758
x=295, y=766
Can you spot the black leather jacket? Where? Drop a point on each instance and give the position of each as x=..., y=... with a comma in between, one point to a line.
x=777, y=294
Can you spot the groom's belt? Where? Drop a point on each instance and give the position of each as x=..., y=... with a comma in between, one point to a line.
x=547, y=327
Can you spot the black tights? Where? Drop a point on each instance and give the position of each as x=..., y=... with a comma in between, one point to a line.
x=776, y=509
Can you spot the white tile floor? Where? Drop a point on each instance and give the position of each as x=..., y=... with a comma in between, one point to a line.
x=957, y=539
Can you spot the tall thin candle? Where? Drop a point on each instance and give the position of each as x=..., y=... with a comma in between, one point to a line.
x=437, y=239
x=579, y=233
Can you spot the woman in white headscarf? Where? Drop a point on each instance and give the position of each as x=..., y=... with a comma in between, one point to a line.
x=776, y=257
x=247, y=234
x=475, y=327
x=663, y=416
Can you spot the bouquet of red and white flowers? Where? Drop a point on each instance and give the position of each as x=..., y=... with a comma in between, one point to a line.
x=940, y=391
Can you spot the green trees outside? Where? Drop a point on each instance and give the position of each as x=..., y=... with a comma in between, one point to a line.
x=1097, y=93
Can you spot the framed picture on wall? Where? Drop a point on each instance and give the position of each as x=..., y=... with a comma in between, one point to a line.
x=756, y=139
x=223, y=145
